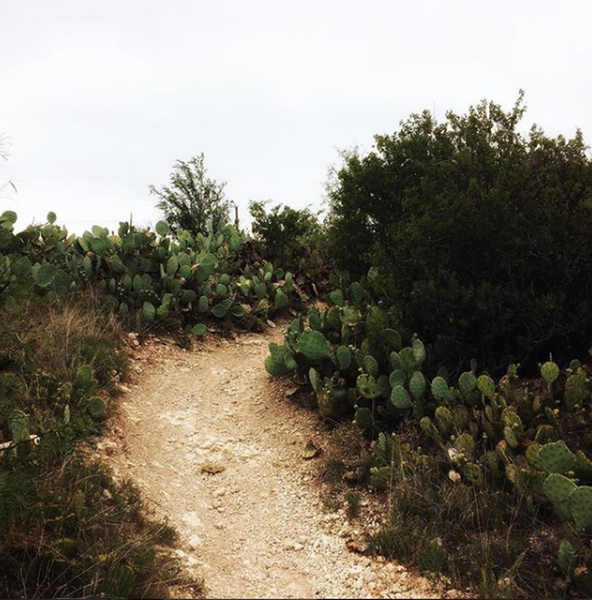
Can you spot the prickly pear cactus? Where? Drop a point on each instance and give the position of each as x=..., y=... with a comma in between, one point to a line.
x=367, y=386
x=313, y=345
x=580, y=506
x=440, y=388
x=467, y=382
x=556, y=457
x=275, y=362
x=558, y=489
x=486, y=386
x=417, y=385
x=400, y=398
x=344, y=357
x=550, y=372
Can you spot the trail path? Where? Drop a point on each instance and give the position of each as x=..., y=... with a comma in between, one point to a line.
x=258, y=528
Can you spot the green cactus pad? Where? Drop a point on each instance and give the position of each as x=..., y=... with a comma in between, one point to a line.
x=336, y=297
x=440, y=388
x=408, y=360
x=315, y=379
x=367, y=386
x=567, y=558
x=417, y=385
x=395, y=362
x=370, y=365
x=510, y=437
x=398, y=377
x=275, y=362
x=344, y=357
x=356, y=292
x=148, y=312
x=486, y=386
x=219, y=310
x=313, y=345
x=314, y=320
x=580, y=506
x=467, y=382
x=419, y=352
x=583, y=466
x=558, y=489
x=349, y=315
x=556, y=457
x=400, y=398
x=550, y=372
x=200, y=330
x=576, y=391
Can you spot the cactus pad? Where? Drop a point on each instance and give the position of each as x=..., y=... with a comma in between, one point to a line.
x=467, y=382
x=486, y=386
x=400, y=398
x=556, y=457
x=580, y=506
x=313, y=345
x=558, y=489
x=550, y=372
x=368, y=387
x=417, y=385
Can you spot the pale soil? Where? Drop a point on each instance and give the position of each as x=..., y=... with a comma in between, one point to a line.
x=258, y=528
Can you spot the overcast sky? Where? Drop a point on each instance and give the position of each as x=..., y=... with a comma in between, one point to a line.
x=99, y=98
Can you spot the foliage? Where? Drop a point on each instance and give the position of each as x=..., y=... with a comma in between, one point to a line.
x=193, y=202
x=147, y=275
x=290, y=238
x=478, y=232
x=67, y=529
x=529, y=440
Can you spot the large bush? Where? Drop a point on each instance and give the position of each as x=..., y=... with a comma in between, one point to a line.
x=478, y=231
x=293, y=239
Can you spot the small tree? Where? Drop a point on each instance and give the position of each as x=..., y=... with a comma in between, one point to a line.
x=193, y=201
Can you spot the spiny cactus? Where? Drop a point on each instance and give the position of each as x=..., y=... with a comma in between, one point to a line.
x=400, y=398
x=417, y=385
x=556, y=457
x=486, y=386
x=580, y=507
x=313, y=345
x=367, y=386
x=558, y=488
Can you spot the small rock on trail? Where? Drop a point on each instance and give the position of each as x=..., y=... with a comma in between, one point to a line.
x=212, y=442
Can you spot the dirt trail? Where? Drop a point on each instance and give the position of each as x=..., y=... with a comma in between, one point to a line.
x=257, y=528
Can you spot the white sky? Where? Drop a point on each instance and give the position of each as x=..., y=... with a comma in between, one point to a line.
x=99, y=98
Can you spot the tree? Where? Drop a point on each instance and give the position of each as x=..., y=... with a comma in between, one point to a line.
x=193, y=202
x=477, y=232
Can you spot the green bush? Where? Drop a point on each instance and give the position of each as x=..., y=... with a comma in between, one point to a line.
x=290, y=238
x=476, y=231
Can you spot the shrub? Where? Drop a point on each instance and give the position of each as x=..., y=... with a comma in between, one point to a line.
x=476, y=231
x=193, y=202
x=291, y=238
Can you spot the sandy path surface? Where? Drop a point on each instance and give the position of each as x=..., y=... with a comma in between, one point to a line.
x=212, y=442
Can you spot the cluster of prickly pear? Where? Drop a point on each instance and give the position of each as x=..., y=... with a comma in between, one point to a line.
x=147, y=272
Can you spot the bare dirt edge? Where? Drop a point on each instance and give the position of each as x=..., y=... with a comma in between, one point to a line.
x=216, y=449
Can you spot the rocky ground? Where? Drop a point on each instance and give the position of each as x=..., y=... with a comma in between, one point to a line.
x=217, y=449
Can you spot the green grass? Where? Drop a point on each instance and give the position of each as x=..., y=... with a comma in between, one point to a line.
x=68, y=530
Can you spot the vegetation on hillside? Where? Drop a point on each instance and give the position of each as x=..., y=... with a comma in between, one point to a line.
x=455, y=267
x=467, y=251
